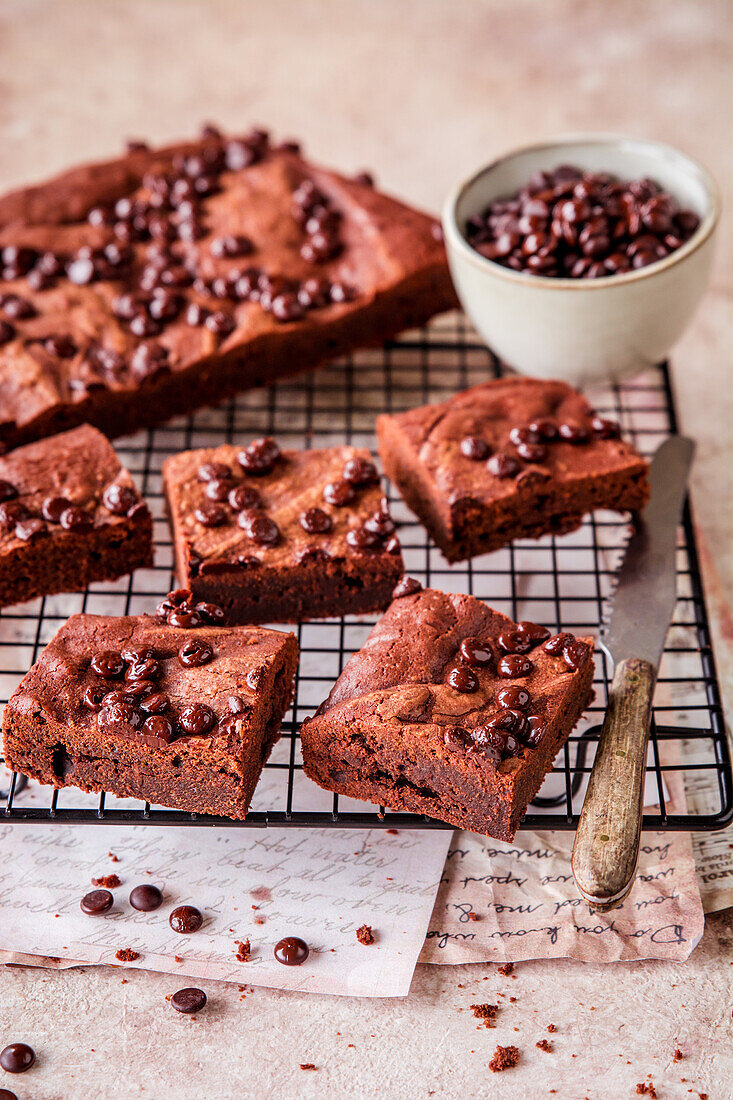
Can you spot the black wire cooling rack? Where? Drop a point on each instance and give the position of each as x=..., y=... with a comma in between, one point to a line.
x=561, y=582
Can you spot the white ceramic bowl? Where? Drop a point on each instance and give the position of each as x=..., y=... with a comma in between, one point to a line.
x=584, y=330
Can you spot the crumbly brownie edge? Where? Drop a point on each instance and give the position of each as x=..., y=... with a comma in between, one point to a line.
x=43, y=750
x=67, y=561
x=323, y=754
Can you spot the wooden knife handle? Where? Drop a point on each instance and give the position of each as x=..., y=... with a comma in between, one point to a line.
x=606, y=847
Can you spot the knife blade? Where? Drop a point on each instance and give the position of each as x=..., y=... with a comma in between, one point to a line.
x=606, y=848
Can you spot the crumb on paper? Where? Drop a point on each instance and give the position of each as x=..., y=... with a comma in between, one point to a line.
x=127, y=955
x=551, y=1028
x=646, y=1088
x=504, y=1058
x=113, y=857
x=177, y=959
x=546, y=1045
x=392, y=832
x=678, y=1055
x=506, y=969
x=364, y=934
x=307, y=1065
x=111, y=882
x=244, y=952
x=486, y=1013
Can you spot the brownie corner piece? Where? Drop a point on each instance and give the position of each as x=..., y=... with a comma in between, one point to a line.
x=178, y=709
x=277, y=535
x=510, y=458
x=69, y=515
x=451, y=710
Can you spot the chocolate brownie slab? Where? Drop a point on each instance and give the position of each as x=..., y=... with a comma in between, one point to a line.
x=144, y=287
x=282, y=536
x=450, y=709
x=177, y=709
x=511, y=458
x=69, y=514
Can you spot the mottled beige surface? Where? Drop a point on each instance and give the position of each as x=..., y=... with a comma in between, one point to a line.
x=422, y=91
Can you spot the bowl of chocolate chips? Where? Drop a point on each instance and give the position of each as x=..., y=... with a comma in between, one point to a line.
x=583, y=259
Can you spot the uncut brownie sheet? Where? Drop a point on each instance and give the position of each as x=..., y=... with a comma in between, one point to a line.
x=510, y=458
x=282, y=536
x=148, y=286
x=70, y=514
x=451, y=710
x=177, y=709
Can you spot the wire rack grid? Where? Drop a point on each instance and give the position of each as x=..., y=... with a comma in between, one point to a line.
x=562, y=582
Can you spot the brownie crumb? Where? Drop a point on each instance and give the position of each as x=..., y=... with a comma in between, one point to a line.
x=474, y=916
x=646, y=1088
x=127, y=955
x=546, y=1045
x=486, y=1013
x=113, y=857
x=307, y=1065
x=506, y=969
x=109, y=881
x=365, y=934
x=504, y=1058
x=551, y=1028
x=678, y=1055
x=244, y=953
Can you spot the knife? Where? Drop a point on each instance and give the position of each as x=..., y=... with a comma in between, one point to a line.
x=606, y=847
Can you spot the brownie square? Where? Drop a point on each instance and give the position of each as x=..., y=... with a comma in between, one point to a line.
x=69, y=514
x=181, y=713
x=451, y=710
x=510, y=458
x=282, y=536
x=147, y=286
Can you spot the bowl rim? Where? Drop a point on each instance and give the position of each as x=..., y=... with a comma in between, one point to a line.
x=708, y=222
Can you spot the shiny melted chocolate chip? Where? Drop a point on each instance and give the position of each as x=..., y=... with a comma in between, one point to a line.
x=210, y=514
x=158, y=726
x=184, y=617
x=119, y=717
x=108, y=664
x=514, y=666
x=339, y=493
x=605, y=429
x=475, y=652
x=502, y=465
x=315, y=521
x=536, y=729
x=211, y=613
x=195, y=652
x=52, y=508
x=573, y=433
x=360, y=471
x=259, y=457
x=142, y=668
x=513, y=697
x=291, y=951
x=210, y=471
x=185, y=919
x=475, y=448
x=93, y=696
x=258, y=527
x=119, y=499
x=556, y=644
x=360, y=538
x=242, y=497
x=406, y=586
x=196, y=719
x=218, y=489
x=155, y=702
x=463, y=679
x=514, y=641
x=534, y=631
x=575, y=654
x=532, y=452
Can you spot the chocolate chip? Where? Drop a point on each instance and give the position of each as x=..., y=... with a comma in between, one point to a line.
x=573, y=433
x=195, y=652
x=461, y=678
x=286, y=308
x=185, y=919
x=258, y=527
x=27, y=530
x=361, y=538
x=7, y=332
x=16, y=308
x=243, y=497
x=231, y=246
x=218, y=489
x=17, y=1057
x=503, y=465
x=544, y=429
x=514, y=666
x=210, y=613
x=11, y=513
x=214, y=471
x=142, y=668
x=220, y=323
x=360, y=471
x=196, y=314
x=237, y=705
x=119, y=499
x=209, y=514
x=535, y=731
x=189, y=1000
x=532, y=452
x=406, y=586
x=339, y=493
x=154, y=703
x=489, y=742
x=159, y=727
x=605, y=429
x=513, y=697
x=315, y=521
x=260, y=457
x=196, y=719
x=312, y=554
x=534, y=631
x=96, y=901
x=146, y=898
x=8, y=491
x=184, y=617
x=340, y=292
x=52, y=508
x=108, y=664
x=514, y=641
x=62, y=347
x=93, y=696
x=291, y=951
x=475, y=448
x=75, y=519
x=508, y=721
x=555, y=645
x=149, y=361
x=575, y=654
x=118, y=717
x=475, y=652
